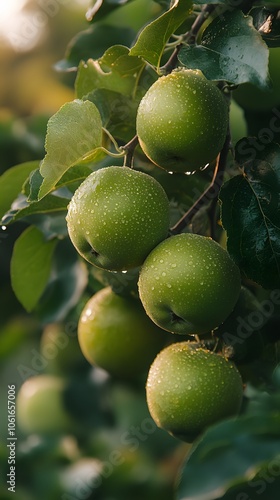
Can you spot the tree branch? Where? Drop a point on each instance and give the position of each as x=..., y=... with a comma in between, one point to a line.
x=210, y=193
x=129, y=151
x=189, y=37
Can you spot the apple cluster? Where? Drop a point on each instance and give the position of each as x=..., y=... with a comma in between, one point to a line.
x=119, y=219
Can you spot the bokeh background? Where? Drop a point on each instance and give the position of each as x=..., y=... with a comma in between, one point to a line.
x=111, y=449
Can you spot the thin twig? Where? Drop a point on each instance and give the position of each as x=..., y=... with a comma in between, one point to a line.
x=210, y=193
x=189, y=37
x=206, y=11
x=212, y=209
x=129, y=151
x=172, y=61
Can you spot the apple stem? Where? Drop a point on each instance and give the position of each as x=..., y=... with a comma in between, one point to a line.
x=209, y=194
x=129, y=151
x=112, y=139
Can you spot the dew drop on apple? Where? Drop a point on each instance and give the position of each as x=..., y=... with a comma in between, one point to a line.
x=204, y=168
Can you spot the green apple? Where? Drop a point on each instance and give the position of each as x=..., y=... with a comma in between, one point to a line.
x=117, y=216
x=182, y=121
x=250, y=97
x=188, y=284
x=40, y=406
x=190, y=388
x=115, y=334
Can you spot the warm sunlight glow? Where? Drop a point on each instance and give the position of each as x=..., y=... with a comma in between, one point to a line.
x=13, y=25
x=22, y=29
x=9, y=12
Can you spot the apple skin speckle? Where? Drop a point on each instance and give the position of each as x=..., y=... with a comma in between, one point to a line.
x=117, y=216
x=190, y=388
x=180, y=294
x=182, y=121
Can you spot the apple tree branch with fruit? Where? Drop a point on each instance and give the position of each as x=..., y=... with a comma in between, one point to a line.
x=163, y=174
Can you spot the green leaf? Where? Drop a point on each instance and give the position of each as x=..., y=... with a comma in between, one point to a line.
x=92, y=43
x=153, y=38
x=232, y=50
x=22, y=208
x=31, y=266
x=267, y=23
x=74, y=175
x=50, y=225
x=118, y=112
x=117, y=59
x=229, y=453
x=164, y=3
x=224, y=2
x=68, y=281
x=32, y=188
x=115, y=70
x=250, y=212
x=11, y=183
x=74, y=134
x=101, y=8
x=265, y=483
x=274, y=3
x=136, y=14
x=48, y=214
